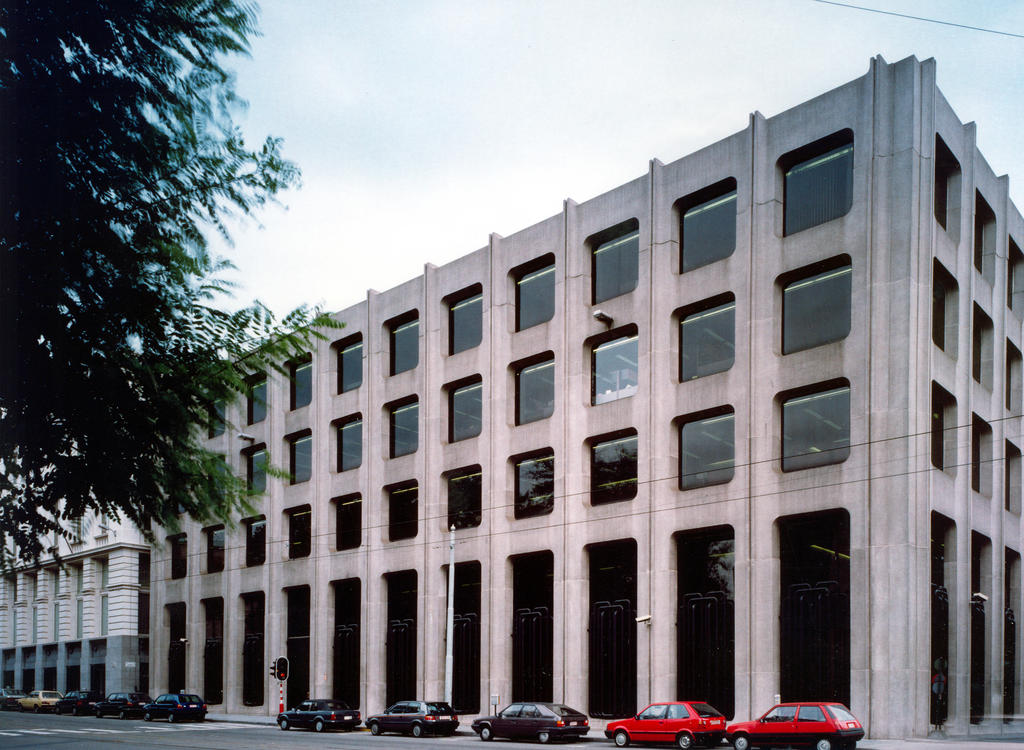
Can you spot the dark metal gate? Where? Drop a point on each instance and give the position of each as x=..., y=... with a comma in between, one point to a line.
x=940, y=656
x=1009, y=664
x=532, y=670
x=977, y=660
x=466, y=664
x=815, y=648
x=213, y=670
x=346, y=664
x=401, y=660
x=612, y=659
x=176, y=666
x=706, y=647
x=252, y=670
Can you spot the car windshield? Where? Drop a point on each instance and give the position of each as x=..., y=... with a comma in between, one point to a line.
x=840, y=713
x=704, y=710
x=336, y=706
x=190, y=698
x=440, y=708
x=561, y=710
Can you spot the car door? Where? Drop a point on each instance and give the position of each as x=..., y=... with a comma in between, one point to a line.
x=394, y=717
x=304, y=714
x=506, y=724
x=780, y=724
x=811, y=724
x=531, y=720
x=678, y=717
x=650, y=723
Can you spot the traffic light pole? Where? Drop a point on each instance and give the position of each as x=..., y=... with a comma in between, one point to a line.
x=280, y=687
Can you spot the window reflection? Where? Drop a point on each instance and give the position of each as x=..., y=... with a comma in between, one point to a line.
x=405, y=346
x=465, y=324
x=350, y=444
x=535, y=297
x=465, y=405
x=709, y=231
x=816, y=309
x=404, y=429
x=464, y=489
x=816, y=429
x=616, y=266
x=707, y=341
x=819, y=189
x=707, y=451
x=613, y=470
x=614, y=370
x=535, y=486
x=535, y=392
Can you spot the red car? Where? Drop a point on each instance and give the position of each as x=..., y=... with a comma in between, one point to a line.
x=686, y=723
x=823, y=726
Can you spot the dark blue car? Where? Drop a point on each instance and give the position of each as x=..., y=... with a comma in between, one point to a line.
x=175, y=707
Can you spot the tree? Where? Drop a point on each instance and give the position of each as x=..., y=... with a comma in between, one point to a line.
x=118, y=153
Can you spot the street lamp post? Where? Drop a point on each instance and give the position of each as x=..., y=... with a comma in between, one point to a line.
x=449, y=651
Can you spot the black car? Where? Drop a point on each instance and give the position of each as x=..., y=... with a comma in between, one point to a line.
x=540, y=721
x=122, y=705
x=9, y=698
x=78, y=702
x=320, y=714
x=416, y=718
x=175, y=707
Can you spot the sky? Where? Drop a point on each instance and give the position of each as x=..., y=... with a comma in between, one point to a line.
x=421, y=127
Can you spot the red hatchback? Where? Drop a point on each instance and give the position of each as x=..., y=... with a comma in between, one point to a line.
x=823, y=726
x=686, y=723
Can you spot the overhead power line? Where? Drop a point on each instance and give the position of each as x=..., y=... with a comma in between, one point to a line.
x=921, y=18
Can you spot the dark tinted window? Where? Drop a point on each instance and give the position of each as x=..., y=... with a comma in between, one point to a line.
x=819, y=187
x=816, y=429
x=563, y=710
x=403, y=512
x=614, y=369
x=405, y=346
x=535, y=485
x=465, y=407
x=256, y=401
x=535, y=297
x=350, y=444
x=613, y=470
x=301, y=384
x=300, y=451
x=255, y=541
x=704, y=710
x=816, y=309
x=215, y=549
x=706, y=451
x=404, y=428
x=439, y=708
x=300, y=530
x=350, y=366
x=179, y=555
x=535, y=391
x=256, y=470
x=707, y=339
x=708, y=231
x=465, y=323
x=464, y=488
x=616, y=264
x=349, y=522
x=840, y=713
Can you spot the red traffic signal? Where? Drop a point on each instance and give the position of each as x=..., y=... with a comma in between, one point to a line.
x=281, y=668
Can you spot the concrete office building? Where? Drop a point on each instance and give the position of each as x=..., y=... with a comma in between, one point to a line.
x=748, y=425
x=82, y=624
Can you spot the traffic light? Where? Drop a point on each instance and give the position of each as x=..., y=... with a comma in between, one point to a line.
x=281, y=668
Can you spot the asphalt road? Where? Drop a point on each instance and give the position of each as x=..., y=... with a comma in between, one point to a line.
x=20, y=731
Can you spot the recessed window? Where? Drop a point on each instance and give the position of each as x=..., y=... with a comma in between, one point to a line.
x=255, y=541
x=816, y=428
x=300, y=531
x=179, y=555
x=465, y=320
x=535, y=484
x=465, y=405
x=1013, y=378
x=944, y=429
x=707, y=229
x=818, y=182
x=405, y=343
x=1014, y=277
x=947, y=188
x=535, y=292
x=535, y=390
x=707, y=335
x=350, y=364
x=945, y=293
x=984, y=238
x=256, y=400
x=981, y=347
x=256, y=470
x=215, y=419
x=981, y=456
x=214, y=549
x=815, y=307
x=350, y=443
x=300, y=376
x=300, y=457
x=404, y=427
x=403, y=516
x=616, y=260
x=464, y=490
x=1011, y=478
x=613, y=469
x=349, y=522
x=614, y=368
x=707, y=451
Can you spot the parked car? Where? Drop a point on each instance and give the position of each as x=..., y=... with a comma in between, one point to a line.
x=39, y=700
x=823, y=726
x=320, y=714
x=9, y=698
x=78, y=702
x=175, y=707
x=416, y=718
x=537, y=721
x=686, y=723
x=122, y=705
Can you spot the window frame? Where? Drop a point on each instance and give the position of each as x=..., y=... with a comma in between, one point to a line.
x=701, y=201
x=255, y=541
x=474, y=383
x=340, y=426
x=215, y=555
x=528, y=273
x=802, y=159
x=810, y=459
x=257, y=405
x=300, y=531
x=796, y=339
x=603, y=493
x=711, y=476
x=608, y=240
x=393, y=410
x=344, y=536
x=525, y=367
x=398, y=339
x=712, y=306
x=472, y=516
x=297, y=441
x=404, y=527
x=600, y=347
x=456, y=302
x=534, y=505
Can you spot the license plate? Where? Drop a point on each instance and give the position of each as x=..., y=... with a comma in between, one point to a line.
x=348, y=718
x=574, y=723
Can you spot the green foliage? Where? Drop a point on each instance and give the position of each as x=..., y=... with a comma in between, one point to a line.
x=118, y=154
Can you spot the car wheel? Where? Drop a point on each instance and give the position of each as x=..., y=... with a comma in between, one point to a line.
x=621, y=738
x=544, y=737
x=170, y=718
x=147, y=716
x=122, y=715
x=684, y=741
x=741, y=742
x=486, y=734
x=374, y=728
x=823, y=744
x=74, y=711
x=283, y=723
x=318, y=725
x=417, y=730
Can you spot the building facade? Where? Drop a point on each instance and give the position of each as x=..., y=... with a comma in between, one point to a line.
x=80, y=623
x=747, y=426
